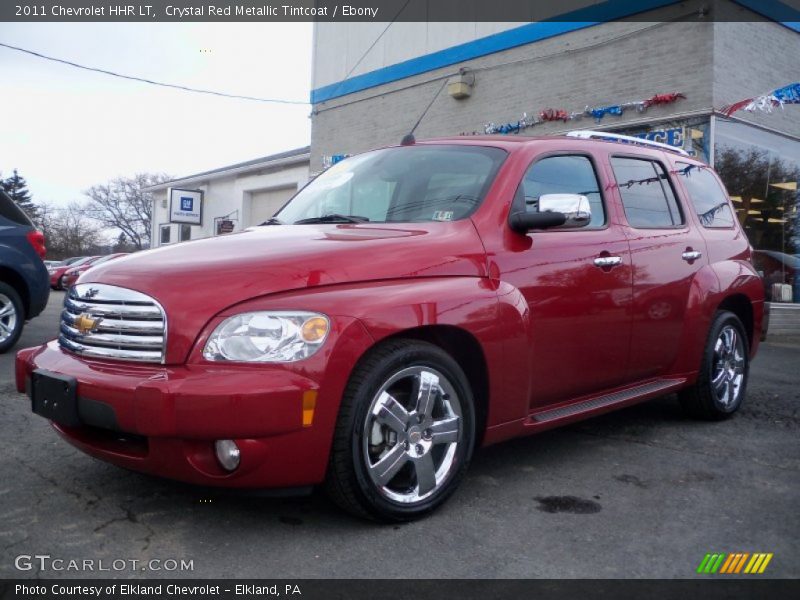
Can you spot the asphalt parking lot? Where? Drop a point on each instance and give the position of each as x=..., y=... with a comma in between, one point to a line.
x=643, y=492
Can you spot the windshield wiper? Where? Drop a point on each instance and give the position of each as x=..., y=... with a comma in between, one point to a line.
x=332, y=218
x=272, y=221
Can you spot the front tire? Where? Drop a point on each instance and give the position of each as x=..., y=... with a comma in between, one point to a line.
x=405, y=433
x=12, y=317
x=721, y=384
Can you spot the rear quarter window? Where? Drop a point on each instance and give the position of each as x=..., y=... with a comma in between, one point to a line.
x=709, y=200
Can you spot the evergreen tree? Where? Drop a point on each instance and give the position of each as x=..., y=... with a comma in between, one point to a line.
x=17, y=188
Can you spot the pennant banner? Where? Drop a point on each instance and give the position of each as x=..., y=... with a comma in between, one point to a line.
x=789, y=94
x=597, y=112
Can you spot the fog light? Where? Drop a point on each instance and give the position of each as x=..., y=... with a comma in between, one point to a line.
x=227, y=454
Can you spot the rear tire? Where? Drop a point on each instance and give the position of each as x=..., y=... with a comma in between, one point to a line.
x=720, y=387
x=405, y=433
x=12, y=317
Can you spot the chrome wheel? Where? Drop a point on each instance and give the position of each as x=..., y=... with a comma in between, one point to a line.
x=411, y=434
x=8, y=318
x=728, y=367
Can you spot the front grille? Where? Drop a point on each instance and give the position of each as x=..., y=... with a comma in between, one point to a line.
x=106, y=321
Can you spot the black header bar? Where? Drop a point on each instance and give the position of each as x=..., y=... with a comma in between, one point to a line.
x=151, y=11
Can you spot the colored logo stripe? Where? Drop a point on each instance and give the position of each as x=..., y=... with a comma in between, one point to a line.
x=733, y=563
x=710, y=563
x=758, y=563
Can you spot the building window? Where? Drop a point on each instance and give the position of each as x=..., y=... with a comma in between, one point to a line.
x=166, y=231
x=761, y=171
x=647, y=195
x=186, y=233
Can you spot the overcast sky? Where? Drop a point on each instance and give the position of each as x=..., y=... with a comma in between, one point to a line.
x=66, y=129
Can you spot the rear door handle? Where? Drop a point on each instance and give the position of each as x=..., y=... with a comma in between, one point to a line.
x=607, y=261
x=691, y=255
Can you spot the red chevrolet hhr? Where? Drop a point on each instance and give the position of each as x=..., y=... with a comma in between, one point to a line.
x=406, y=306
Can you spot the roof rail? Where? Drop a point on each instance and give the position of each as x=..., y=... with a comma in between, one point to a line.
x=628, y=139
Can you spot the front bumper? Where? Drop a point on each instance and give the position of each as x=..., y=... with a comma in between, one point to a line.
x=163, y=420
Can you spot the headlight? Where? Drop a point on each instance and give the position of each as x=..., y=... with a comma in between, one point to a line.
x=275, y=336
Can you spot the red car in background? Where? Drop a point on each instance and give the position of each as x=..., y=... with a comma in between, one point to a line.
x=73, y=272
x=57, y=272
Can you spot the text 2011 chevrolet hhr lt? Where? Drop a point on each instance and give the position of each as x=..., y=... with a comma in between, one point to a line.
x=405, y=307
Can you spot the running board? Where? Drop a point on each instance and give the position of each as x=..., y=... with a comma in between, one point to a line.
x=570, y=410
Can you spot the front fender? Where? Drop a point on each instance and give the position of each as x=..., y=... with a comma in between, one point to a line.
x=495, y=316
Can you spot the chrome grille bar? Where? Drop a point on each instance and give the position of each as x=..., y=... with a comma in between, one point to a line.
x=113, y=310
x=106, y=321
x=119, y=325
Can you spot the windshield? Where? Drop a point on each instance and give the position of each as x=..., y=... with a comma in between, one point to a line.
x=394, y=185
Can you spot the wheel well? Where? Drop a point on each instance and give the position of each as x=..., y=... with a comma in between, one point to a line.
x=740, y=305
x=467, y=352
x=16, y=281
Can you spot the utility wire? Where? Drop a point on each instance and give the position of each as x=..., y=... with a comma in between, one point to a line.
x=377, y=39
x=150, y=81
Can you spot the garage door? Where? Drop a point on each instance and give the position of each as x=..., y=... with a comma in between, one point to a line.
x=264, y=204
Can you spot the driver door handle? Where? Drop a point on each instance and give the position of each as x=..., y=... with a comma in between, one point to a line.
x=691, y=255
x=607, y=261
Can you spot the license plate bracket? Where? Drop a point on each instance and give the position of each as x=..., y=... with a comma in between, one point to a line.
x=54, y=396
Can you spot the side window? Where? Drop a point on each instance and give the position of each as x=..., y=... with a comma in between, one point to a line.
x=563, y=175
x=647, y=195
x=709, y=199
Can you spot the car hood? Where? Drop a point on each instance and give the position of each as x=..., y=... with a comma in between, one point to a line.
x=194, y=281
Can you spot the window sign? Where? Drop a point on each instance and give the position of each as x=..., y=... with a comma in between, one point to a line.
x=671, y=137
x=186, y=206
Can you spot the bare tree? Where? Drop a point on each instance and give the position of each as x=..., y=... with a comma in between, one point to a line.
x=124, y=204
x=68, y=232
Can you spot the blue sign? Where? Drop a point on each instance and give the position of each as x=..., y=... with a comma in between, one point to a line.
x=187, y=203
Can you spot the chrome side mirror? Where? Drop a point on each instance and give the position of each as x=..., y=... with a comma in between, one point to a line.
x=575, y=207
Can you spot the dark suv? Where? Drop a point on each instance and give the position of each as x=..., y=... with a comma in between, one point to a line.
x=24, y=284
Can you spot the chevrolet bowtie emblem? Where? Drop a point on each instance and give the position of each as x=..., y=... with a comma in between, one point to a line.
x=84, y=323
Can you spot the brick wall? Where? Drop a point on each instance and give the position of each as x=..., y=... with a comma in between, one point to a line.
x=606, y=64
x=755, y=58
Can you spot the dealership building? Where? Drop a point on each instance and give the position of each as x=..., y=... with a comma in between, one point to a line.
x=665, y=73
x=226, y=199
